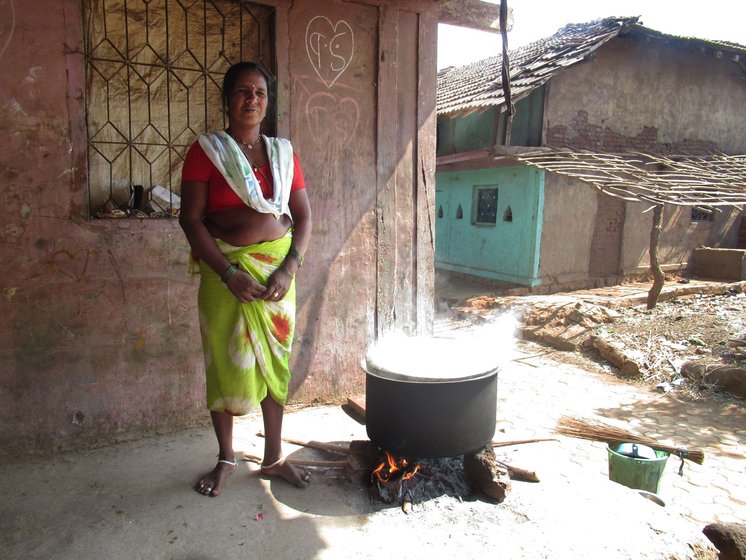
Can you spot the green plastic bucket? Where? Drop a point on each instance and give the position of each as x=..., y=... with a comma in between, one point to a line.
x=634, y=472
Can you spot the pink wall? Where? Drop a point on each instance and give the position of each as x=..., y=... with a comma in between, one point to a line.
x=98, y=331
x=99, y=325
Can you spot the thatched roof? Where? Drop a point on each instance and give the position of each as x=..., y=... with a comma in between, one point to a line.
x=713, y=180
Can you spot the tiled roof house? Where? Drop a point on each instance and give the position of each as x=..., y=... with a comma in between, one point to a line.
x=642, y=117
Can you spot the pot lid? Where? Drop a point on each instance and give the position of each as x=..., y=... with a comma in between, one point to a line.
x=430, y=359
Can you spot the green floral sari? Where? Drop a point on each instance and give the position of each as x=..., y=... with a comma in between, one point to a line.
x=246, y=345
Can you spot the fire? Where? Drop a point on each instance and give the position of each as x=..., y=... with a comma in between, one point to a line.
x=392, y=467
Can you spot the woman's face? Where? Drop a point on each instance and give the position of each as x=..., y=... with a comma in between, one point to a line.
x=247, y=101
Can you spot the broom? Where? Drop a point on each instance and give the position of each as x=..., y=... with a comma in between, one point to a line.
x=598, y=431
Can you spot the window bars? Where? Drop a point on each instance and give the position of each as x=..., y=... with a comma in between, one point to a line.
x=484, y=208
x=154, y=71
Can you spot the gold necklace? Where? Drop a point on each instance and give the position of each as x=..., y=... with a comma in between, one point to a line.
x=248, y=145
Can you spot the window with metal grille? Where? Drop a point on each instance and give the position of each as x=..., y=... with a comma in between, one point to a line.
x=154, y=70
x=484, y=206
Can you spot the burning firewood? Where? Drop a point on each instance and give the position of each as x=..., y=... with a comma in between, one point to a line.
x=392, y=479
x=362, y=459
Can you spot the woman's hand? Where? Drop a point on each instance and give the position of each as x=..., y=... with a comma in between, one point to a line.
x=245, y=288
x=278, y=284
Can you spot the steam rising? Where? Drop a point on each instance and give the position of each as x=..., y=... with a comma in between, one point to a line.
x=448, y=355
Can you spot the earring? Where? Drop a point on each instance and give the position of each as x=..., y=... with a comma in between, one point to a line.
x=227, y=108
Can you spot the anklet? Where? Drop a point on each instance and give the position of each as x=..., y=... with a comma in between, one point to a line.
x=280, y=460
x=227, y=462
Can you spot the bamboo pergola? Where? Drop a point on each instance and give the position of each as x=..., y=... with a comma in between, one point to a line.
x=704, y=181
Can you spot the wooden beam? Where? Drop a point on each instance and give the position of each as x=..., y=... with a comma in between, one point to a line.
x=473, y=14
x=357, y=405
x=425, y=166
x=462, y=156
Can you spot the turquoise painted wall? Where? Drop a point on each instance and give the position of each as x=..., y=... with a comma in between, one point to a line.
x=507, y=251
x=474, y=131
x=466, y=133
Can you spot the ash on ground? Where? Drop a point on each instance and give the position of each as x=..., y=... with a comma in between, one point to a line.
x=435, y=478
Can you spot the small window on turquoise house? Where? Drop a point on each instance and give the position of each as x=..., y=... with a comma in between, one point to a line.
x=484, y=207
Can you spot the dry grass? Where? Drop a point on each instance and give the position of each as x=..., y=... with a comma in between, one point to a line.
x=691, y=329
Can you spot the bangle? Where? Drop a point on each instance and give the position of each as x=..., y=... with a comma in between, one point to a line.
x=229, y=272
x=296, y=255
x=286, y=271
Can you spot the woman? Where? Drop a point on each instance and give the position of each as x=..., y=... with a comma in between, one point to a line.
x=245, y=213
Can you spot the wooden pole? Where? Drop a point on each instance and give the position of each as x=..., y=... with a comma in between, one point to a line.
x=655, y=267
x=519, y=442
x=505, y=74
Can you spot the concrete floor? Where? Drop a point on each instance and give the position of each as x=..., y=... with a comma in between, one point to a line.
x=135, y=500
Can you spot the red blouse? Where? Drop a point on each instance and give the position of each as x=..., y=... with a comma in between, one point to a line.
x=220, y=196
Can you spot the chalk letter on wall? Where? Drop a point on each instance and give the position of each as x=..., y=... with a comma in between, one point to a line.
x=332, y=120
x=330, y=48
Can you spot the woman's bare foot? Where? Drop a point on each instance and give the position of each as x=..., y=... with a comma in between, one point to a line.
x=212, y=483
x=284, y=469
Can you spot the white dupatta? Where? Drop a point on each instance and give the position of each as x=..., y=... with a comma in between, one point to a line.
x=233, y=164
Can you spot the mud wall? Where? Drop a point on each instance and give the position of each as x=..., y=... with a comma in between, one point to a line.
x=99, y=323
x=720, y=264
x=679, y=236
x=98, y=318
x=567, y=231
x=571, y=229
x=648, y=96
x=638, y=96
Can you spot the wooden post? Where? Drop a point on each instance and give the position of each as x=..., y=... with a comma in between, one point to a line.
x=655, y=267
x=505, y=74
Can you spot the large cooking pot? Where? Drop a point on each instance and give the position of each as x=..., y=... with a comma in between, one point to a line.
x=430, y=397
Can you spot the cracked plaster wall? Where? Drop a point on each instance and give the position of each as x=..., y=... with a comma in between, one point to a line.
x=636, y=97
x=651, y=97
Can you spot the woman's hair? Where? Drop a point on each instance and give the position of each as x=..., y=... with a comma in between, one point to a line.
x=232, y=74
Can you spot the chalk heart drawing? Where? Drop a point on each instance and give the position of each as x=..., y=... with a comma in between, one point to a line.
x=332, y=121
x=330, y=47
x=7, y=23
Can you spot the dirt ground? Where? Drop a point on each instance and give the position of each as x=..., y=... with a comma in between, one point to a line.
x=135, y=500
x=695, y=329
x=703, y=329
